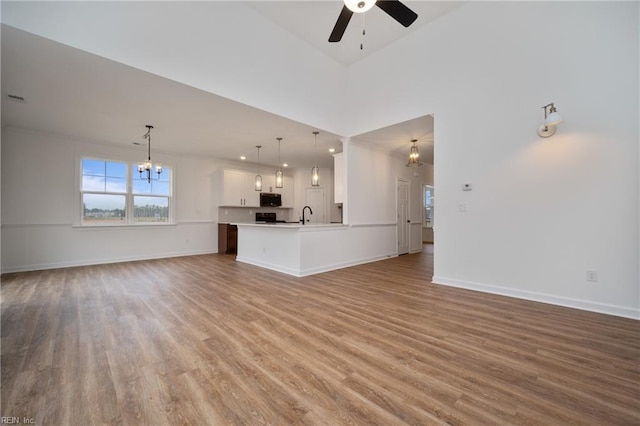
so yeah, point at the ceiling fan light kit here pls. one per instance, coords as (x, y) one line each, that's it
(359, 6)
(393, 8)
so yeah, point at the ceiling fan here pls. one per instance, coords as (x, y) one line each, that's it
(393, 8)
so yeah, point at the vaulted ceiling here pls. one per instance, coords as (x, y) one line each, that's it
(74, 93)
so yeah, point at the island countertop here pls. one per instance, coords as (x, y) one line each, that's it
(294, 225)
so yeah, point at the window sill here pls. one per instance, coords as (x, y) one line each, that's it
(125, 226)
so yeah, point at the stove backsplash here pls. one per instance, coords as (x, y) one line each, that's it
(248, 215)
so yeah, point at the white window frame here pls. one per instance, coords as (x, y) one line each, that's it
(426, 207)
(129, 219)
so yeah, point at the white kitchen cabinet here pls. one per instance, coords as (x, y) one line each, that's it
(237, 189)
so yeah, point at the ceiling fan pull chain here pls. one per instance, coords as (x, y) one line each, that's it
(363, 33)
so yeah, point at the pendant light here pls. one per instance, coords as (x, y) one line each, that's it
(258, 182)
(279, 172)
(147, 166)
(414, 155)
(315, 172)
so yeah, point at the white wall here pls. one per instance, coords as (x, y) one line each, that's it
(542, 211)
(222, 47)
(41, 210)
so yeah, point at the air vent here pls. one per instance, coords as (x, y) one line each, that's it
(15, 98)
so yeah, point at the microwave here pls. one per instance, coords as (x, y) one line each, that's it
(270, 199)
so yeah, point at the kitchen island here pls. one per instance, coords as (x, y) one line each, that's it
(302, 250)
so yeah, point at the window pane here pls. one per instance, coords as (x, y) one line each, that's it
(151, 209)
(116, 184)
(428, 205)
(93, 183)
(103, 208)
(140, 185)
(104, 176)
(160, 188)
(165, 176)
(159, 185)
(93, 167)
(117, 170)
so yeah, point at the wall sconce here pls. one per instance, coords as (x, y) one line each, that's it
(551, 119)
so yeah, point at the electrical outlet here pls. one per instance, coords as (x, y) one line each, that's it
(592, 276)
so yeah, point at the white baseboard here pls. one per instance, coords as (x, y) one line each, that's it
(316, 270)
(341, 265)
(71, 264)
(585, 305)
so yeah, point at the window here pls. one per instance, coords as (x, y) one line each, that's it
(151, 200)
(112, 193)
(428, 206)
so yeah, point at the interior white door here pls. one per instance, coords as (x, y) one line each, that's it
(315, 200)
(404, 228)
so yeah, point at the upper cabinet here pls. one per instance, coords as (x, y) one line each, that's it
(237, 189)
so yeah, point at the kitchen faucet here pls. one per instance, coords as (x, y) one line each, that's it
(303, 209)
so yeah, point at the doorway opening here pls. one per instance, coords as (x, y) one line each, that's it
(404, 220)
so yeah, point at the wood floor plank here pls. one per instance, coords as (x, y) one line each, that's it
(207, 340)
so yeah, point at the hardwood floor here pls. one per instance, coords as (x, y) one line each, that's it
(205, 340)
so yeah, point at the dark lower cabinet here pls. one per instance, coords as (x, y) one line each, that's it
(227, 238)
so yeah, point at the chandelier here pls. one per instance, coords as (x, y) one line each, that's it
(414, 155)
(147, 166)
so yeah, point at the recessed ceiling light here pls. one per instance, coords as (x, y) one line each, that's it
(242, 157)
(332, 150)
(285, 165)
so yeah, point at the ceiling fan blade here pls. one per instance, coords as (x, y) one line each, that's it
(341, 25)
(398, 11)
